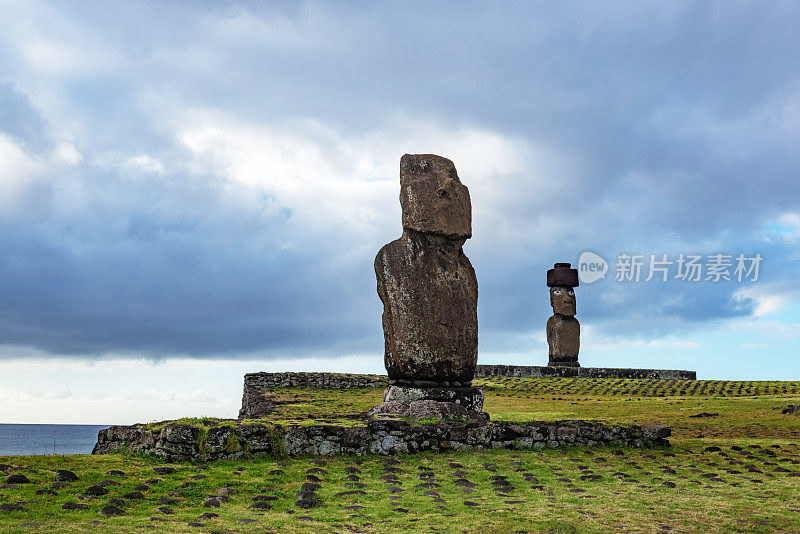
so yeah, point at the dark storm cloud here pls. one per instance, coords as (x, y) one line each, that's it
(158, 282)
(667, 128)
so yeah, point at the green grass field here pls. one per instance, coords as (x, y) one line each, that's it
(738, 470)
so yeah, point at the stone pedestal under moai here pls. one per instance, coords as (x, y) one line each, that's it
(563, 329)
(430, 297)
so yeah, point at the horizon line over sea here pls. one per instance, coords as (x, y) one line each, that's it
(29, 439)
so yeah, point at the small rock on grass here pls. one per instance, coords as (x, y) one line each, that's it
(96, 490)
(350, 493)
(316, 470)
(17, 479)
(165, 510)
(211, 503)
(208, 515)
(110, 510)
(164, 470)
(11, 508)
(65, 475)
(74, 506)
(306, 502)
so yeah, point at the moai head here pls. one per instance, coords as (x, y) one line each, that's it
(433, 199)
(561, 279)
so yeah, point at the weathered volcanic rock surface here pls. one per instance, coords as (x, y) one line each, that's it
(427, 284)
(432, 197)
(470, 398)
(428, 409)
(564, 340)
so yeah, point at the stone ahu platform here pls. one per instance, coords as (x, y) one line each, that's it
(533, 371)
(231, 439)
(183, 442)
(255, 405)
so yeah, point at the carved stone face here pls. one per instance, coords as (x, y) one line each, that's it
(433, 199)
(562, 299)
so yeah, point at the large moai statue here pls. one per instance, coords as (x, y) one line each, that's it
(429, 290)
(563, 329)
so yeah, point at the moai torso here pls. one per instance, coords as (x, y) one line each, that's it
(563, 339)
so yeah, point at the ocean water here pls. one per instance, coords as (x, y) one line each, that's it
(45, 439)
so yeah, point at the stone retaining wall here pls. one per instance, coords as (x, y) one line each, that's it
(533, 371)
(315, 380)
(181, 442)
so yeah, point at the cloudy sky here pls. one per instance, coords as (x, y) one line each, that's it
(193, 190)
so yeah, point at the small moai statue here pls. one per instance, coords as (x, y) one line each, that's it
(563, 329)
